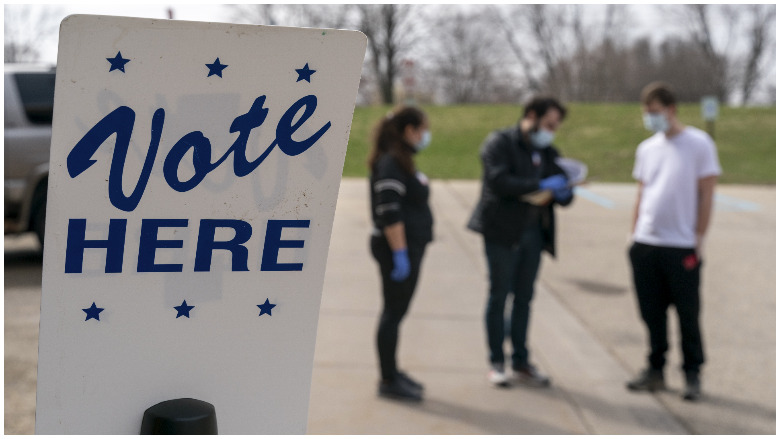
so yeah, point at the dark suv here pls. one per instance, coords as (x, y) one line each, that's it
(29, 104)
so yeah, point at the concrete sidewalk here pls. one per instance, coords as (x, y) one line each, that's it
(443, 344)
(585, 329)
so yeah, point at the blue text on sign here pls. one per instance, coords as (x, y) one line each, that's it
(121, 121)
(149, 243)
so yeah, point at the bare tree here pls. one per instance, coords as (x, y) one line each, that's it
(545, 40)
(531, 75)
(339, 16)
(577, 52)
(256, 13)
(698, 20)
(609, 80)
(735, 52)
(467, 65)
(302, 15)
(760, 30)
(388, 29)
(547, 26)
(27, 28)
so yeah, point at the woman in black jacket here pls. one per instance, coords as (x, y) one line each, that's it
(403, 226)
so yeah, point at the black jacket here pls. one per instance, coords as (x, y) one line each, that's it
(513, 168)
(399, 196)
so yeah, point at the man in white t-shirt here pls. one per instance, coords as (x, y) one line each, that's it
(677, 169)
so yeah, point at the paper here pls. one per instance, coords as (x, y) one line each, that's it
(575, 171)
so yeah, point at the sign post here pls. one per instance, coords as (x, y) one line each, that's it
(194, 174)
(709, 112)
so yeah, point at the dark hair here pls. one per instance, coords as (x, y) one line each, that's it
(389, 137)
(540, 105)
(658, 91)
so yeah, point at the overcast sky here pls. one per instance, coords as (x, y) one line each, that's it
(219, 12)
(201, 12)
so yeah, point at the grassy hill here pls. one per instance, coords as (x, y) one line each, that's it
(604, 136)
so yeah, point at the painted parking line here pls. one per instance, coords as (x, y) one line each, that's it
(733, 204)
(593, 197)
(723, 203)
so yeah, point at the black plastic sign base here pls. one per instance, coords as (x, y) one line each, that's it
(180, 416)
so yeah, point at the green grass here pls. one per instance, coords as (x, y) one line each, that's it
(604, 136)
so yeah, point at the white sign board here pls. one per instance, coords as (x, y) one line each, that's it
(195, 169)
(709, 108)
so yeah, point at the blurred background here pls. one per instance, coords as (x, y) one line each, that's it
(472, 67)
(455, 54)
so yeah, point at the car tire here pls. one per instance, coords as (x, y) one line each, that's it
(38, 216)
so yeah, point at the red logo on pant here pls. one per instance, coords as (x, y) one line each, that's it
(690, 261)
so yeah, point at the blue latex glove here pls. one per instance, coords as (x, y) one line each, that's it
(563, 194)
(401, 267)
(554, 183)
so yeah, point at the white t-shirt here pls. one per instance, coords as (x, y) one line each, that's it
(669, 170)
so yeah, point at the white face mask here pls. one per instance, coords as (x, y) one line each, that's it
(425, 140)
(655, 122)
(542, 138)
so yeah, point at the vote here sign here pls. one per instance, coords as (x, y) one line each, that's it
(194, 174)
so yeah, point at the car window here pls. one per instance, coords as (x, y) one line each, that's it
(37, 93)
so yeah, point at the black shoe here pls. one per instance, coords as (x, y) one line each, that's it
(413, 383)
(399, 389)
(530, 376)
(692, 387)
(648, 380)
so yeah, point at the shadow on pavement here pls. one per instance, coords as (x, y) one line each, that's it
(23, 268)
(639, 417)
(598, 287)
(495, 422)
(745, 407)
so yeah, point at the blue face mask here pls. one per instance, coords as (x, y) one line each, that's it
(542, 138)
(655, 122)
(424, 141)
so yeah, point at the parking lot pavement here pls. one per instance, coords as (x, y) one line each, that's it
(442, 342)
(591, 278)
(22, 306)
(585, 331)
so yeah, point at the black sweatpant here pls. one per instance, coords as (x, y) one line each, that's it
(397, 297)
(665, 276)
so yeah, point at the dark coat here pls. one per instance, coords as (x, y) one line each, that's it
(397, 196)
(509, 172)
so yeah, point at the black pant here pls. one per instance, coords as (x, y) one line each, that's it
(665, 276)
(397, 297)
(512, 269)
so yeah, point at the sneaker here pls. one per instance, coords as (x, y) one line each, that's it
(530, 376)
(497, 377)
(692, 387)
(648, 380)
(399, 389)
(413, 383)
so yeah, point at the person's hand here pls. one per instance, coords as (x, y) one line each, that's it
(563, 194)
(699, 245)
(401, 267)
(554, 183)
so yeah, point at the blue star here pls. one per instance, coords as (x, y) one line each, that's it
(305, 73)
(266, 308)
(216, 68)
(93, 312)
(183, 309)
(118, 63)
